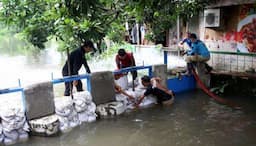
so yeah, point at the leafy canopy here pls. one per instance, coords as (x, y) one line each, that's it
(72, 21)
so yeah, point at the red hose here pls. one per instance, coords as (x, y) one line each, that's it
(215, 97)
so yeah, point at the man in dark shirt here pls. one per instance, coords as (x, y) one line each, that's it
(76, 60)
(154, 87)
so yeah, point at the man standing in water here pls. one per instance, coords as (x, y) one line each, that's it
(154, 87)
(76, 60)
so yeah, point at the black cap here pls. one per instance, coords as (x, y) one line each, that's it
(193, 36)
(145, 79)
(121, 52)
(88, 43)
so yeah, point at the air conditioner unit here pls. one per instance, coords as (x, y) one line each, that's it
(212, 17)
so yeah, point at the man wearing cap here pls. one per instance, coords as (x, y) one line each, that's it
(76, 60)
(124, 59)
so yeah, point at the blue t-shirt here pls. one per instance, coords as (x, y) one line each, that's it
(199, 48)
(187, 41)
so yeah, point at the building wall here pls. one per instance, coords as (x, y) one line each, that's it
(236, 33)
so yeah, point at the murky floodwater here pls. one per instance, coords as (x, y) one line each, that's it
(194, 120)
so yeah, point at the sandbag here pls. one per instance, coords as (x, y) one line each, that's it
(83, 94)
(110, 109)
(46, 126)
(122, 82)
(10, 137)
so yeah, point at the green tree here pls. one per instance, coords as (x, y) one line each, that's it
(72, 21)
(160, 15)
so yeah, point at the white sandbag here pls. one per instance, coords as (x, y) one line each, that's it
(8, 141)
(80, 104)
(74, 120)
(45, 126)
(91, 118)
(1, 138)
(23, 135)
(83, 94)
(121, 98)
(64, 106)
(1, 133)
(12, 119)
(14, 124)
(87, 117)
(13, 135)
(148, 100)
(8, 114)
(64, 124)
(91, 107)
(122, 82)
(83, 117)
(111, 108)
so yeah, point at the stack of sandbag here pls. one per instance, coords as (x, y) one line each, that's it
(1, 133)
(84, 106)
(14, 125)
(110, 109)
(66, 113)
(45, 126)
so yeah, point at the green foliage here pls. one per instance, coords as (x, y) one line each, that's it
(70, 21)
(160, 15)
(73, 21)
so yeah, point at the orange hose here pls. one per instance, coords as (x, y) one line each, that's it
(214, 96)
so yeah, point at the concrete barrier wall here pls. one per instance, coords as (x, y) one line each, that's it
(102, 87)
(160, 70)
(39, 100)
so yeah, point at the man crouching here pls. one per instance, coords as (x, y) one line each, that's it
(154, 87)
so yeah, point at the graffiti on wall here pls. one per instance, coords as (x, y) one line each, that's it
(246, 29)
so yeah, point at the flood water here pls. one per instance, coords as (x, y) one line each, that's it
(193, 120)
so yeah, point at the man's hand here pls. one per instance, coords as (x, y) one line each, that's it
(75, 83)
(183, 52)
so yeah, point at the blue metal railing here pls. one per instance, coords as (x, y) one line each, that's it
(73, 78)
(134, 68)
(13, 90)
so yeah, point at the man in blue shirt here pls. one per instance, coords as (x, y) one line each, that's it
(198, 53)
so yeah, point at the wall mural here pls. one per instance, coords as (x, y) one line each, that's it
(239, 39)
(246, 29)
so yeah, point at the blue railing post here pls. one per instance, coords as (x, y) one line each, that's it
(88, 82)
(165, 57)
(150, 74)
(22, 96)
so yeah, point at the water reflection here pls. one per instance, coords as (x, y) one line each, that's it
(194, 119)
(188, 122)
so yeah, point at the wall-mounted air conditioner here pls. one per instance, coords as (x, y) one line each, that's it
(212, 17)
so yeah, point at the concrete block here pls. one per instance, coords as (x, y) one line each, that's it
(102, 87)
(39, 100)
(160, 70)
